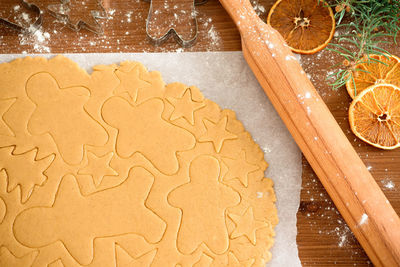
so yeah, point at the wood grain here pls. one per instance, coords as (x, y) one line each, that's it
(353, 189)
(323, 237)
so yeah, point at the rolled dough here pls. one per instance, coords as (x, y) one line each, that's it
(117, 168)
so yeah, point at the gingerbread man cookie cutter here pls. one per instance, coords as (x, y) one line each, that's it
(158, 39)
(62, 12)
(36, 24)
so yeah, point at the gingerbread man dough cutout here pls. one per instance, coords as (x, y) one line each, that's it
(141, 129)
(74, 217)
(203, 202)
(61, 113)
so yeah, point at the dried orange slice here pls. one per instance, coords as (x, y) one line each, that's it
(306, 25)
(374, 116)
(374, 72)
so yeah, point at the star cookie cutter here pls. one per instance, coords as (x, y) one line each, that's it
(63, 13)
(159, 38)
(35, 25)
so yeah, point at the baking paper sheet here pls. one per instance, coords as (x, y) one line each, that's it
(225, 78)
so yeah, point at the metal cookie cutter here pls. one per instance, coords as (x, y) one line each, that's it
(65, 12)
(160, 37)
(36, 24)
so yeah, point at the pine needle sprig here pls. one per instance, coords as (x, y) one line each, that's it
(372, 23)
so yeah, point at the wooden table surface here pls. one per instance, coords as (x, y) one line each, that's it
(323, 238)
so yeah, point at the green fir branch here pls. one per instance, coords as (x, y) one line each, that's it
(372, 22)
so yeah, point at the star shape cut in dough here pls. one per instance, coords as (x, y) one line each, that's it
(5, 105)
(184, 107)
(123, 258)
(204, 260)
(246, 225)
(260, 195)
(234, 262)
(217, 133)
(239, 168)
(131, 82)
(98, 167)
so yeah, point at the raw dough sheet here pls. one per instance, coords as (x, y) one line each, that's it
(225, 78)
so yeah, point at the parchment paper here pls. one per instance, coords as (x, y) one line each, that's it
(225, 78)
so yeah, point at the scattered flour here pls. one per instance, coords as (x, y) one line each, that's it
(260, 9)
(25, 16)
(214, 37)
(342, 240)
(36, 38)
(129, 16)
(388, 184)
(363, 220)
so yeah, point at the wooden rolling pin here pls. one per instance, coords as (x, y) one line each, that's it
(344, 176)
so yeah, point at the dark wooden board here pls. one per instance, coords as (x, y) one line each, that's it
(323, 237)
